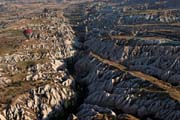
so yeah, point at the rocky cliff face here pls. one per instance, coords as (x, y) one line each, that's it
(112, 90)
(159, 61)
(96, 63)
(40, 86)
(124, 75)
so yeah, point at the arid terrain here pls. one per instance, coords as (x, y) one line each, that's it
(89, 60)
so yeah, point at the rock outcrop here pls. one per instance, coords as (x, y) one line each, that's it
(93, 61)
(40, 86)
(119, 91)
(125, 73)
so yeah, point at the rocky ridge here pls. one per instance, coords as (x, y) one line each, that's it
(137, 70)
(120, 72)
(45, 90)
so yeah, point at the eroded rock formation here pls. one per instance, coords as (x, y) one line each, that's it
(44, 86)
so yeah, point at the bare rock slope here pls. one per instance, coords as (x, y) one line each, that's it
(36, 83)
(126, 69)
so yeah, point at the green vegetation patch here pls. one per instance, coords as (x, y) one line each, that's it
(11, 32)
(171, 43)
(23, 65)
(18, 77)
(7, 49)
(10, 39)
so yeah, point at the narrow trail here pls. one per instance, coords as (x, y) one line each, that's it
(171, 90)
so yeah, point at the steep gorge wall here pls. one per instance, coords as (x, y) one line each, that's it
(125, 78)
(114, 92)
(160, 61)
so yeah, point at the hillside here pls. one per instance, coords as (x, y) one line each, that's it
(89, 60)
